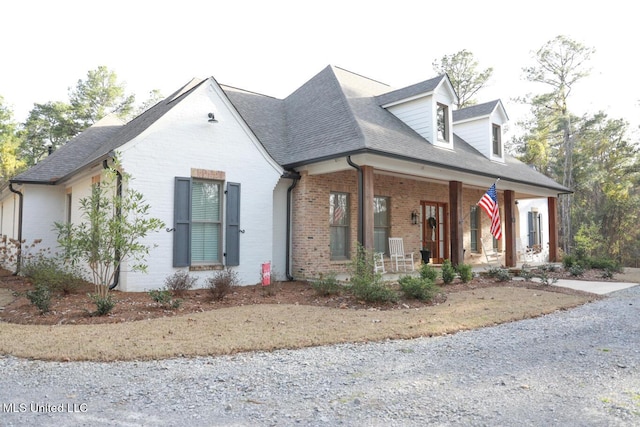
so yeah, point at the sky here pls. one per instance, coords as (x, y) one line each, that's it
(273, 47)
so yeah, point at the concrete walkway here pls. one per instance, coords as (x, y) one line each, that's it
(600, 288)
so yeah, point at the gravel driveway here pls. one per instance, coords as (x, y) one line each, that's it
(573, 368)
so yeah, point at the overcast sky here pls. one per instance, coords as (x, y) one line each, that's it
(273, 47)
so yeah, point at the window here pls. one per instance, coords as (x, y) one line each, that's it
(474, 221)
(443, 122)
(198, 224)
(497, 141)
(339, 225)
(380, 223)
(206, 222)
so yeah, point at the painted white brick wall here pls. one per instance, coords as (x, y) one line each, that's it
(184, 139)
(43, 205)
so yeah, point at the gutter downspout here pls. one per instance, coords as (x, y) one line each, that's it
(296, 177)
(116, 277)
(20, 204)
(360, 201)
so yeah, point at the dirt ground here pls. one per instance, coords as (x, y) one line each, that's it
(77, 308)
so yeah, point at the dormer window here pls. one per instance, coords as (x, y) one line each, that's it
(497, 141)
(442, 116)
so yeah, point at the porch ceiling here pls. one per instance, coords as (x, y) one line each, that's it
(429, 173)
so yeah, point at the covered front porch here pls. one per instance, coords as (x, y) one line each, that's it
(430, 208)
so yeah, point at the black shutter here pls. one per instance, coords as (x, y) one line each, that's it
(232, 228)
(531, 225)
(182, 223)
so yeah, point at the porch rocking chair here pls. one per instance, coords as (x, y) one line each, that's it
(491, 253)
(397, 254)
(526, 253)
(378, 262)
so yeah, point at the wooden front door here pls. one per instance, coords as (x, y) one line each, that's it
(434, 230)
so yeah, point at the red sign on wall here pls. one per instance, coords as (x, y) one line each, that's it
(266, 274)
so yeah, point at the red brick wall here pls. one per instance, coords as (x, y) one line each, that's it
(310, 217)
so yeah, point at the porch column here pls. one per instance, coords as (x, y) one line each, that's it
(456, 216)
(511, 256)
(367, 209)
(552, 206)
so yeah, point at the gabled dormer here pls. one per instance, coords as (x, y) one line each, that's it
(482, 126)
(425, 107)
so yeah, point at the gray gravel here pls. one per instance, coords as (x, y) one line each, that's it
(574, 368)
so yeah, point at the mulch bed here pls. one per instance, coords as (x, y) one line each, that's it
(77, 308)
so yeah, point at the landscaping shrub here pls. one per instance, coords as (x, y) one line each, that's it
(40, 297)
(466, 273)
(165, 298)
(53, 273)
(221, 283)
(605, 264)
(500, 274)
(180, 282)
(104, 304)
(326, 286)
(576, 270)
(568, 261)
(448, 272)
(373, 292)
(418, 288)
(427, 271)
(366, 284)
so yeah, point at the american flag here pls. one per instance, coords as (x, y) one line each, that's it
(489, 202)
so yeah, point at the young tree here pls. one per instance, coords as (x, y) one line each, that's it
(467, 80)
(115, 219)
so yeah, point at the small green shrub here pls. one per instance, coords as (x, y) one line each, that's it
(576, 270)
(180, 282)
(53, 273)
(221, 283)
(104, 304)
(429, 272)
(605, 264)
(545, 279)
(165, 298)
(418, 288)
(501, 275)
(548, 267)
(375, 291)
(525, 272)
(326, 286)
(466, 273)
(568, 261)
(448, 272)
(40, 297)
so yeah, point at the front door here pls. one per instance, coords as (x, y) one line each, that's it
(434, 230)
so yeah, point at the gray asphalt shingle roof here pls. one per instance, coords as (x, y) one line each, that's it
(336, 113)
(479, 110)
(98, 141)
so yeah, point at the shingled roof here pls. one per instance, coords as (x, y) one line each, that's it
(335, 114)
(99, 141)
(476, 111)
(339, 113)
